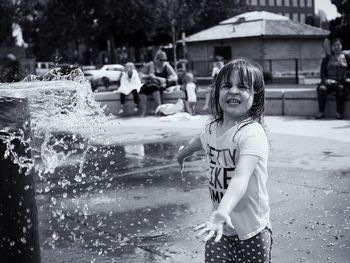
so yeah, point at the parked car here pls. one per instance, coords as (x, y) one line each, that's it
(107, 74)
(43, 67)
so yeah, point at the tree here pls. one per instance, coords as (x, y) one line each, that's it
(191, 16)
(318, 20)
(6, 20)
(64, 27)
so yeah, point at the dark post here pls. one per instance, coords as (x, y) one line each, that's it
(19, 237)
(296, 71)
(270, 65)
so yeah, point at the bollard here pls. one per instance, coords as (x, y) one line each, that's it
(19, 237)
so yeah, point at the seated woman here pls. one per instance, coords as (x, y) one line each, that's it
(333, 72)
(158, 76)
(129, 83)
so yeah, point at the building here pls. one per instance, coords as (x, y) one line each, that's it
(297, 10)
(279, 44)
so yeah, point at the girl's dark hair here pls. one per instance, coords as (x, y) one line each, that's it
(250, 74)
(336, 39)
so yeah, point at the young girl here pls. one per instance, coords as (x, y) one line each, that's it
(129, 83)
(236, 146)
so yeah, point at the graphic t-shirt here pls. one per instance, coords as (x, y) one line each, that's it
(252, 213)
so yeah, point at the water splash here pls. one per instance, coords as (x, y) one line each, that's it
(64, 119)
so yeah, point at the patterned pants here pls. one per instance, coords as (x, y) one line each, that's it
(256, 249)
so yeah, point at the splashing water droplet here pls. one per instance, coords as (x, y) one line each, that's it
(55, 236)
(65, 182)
(77, 178)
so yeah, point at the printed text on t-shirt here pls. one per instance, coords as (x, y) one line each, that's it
(221, 167)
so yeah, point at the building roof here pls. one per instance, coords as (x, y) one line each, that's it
(256, 24)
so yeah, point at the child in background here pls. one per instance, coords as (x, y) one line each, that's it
(191, 95)
(236, 146)
(129, 83)
(218, 64)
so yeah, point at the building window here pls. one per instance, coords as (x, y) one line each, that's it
(295, 2)
(254, 2)
(271, 2)
(302, 18)
(279, 2)
(286, 2)
(295, 17)
(309, 3)
(262, 2)
(302, 3)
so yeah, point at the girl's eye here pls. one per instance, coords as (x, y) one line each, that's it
(242, 87)
(226, 86)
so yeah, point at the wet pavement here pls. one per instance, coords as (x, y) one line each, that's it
(132, 205)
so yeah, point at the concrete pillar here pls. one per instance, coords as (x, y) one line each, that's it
(19, 237)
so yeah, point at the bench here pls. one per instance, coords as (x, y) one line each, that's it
(290, 100)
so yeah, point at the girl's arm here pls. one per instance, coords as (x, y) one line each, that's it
(238, 183)
(192, 146)
(234, 193)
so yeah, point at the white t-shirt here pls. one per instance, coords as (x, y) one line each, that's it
(127, 84)
(252, 213)
(191, 92)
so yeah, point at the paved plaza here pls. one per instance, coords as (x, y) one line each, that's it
(134, 206)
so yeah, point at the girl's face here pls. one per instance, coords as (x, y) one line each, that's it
(337, 47)
(235, 99)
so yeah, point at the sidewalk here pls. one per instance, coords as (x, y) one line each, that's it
(146, 213)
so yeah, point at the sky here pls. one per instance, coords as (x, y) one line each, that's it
(327, 7)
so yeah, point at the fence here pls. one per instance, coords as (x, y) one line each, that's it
(275, 70)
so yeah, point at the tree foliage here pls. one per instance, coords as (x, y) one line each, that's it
(64, 26)
(7, 18)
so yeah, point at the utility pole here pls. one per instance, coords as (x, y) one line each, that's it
(173, 30)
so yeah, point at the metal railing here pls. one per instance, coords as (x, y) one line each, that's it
(275, 70)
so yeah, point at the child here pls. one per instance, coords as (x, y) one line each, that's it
(191, 96)
(236, 152)
(129, 83)
(218, 64)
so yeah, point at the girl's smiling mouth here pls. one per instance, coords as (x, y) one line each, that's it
(233, 101)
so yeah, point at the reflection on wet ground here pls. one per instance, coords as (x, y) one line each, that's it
(131, 204)
(127, 199)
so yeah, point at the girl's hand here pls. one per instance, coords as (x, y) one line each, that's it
(214, 226)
